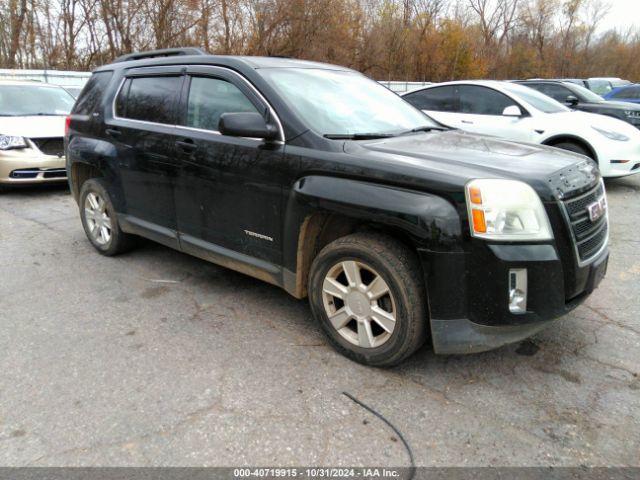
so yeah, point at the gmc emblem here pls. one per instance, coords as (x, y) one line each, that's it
(597, 209)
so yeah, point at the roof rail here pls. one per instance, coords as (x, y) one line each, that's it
(165, 52)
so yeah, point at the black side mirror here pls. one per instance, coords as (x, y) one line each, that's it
(246, 124)
(571, 100)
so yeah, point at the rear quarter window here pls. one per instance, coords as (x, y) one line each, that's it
(92, 94)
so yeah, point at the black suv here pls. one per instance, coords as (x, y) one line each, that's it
(319, 180)
(580, 98)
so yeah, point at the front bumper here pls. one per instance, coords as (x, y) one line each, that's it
(619, 159)
(469, 299)
(25, 166)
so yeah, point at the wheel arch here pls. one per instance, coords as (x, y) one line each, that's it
(80, 172)
(88, 158)
(323, 209)
(561, 138)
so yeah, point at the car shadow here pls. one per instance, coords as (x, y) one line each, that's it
(211, 280)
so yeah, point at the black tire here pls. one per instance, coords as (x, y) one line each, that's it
(575, 148)
(399, 268)
(119, 241)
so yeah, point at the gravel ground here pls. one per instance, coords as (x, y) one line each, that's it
(157, 358)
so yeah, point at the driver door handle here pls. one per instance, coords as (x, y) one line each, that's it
(468, 122)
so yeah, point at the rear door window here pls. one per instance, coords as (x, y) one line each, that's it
(439, 99)
(92, 94)
(478, 100)
(209, 98)
(149, 99)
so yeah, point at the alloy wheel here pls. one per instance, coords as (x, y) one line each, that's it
(97, 218)
(359, 304)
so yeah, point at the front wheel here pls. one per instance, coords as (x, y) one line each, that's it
(367, 292)
(575, 148)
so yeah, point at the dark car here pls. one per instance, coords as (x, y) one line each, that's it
(316, 179)
(576, 81)
(583, 99)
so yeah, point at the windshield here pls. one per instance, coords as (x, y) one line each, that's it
(536, 99)
(23, 100)
(334, 102)
(588, 95)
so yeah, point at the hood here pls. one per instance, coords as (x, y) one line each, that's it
(455, 154)
(603, 122)
(33, 126)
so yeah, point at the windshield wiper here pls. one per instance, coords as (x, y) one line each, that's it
(357, 136)
(424, 128)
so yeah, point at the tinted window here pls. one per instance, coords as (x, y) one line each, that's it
(151, 99)
(209, 98)
(440, 99)
(121, 99)
(483, 101)
(92, 93)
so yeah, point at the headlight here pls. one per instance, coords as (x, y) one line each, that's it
(611, 135)
(8, 142)
(632, 113)
(506, 210)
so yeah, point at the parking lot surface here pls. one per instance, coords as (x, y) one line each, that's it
(158, 358)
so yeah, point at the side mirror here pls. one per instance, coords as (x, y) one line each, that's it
(512, 111)
(571, 100)
(246, 124)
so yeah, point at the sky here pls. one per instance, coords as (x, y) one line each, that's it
(623, 14)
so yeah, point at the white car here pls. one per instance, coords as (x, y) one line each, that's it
(32, 122)
(516, 112)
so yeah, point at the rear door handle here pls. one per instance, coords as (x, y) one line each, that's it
(113, 132)
(187, 145)
(468, 122)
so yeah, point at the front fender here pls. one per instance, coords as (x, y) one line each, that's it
(430, 221)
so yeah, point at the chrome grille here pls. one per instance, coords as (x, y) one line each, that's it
(589, 237)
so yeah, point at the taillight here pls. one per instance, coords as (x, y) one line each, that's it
(67, 123)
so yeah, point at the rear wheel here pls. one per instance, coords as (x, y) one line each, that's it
(367, 292)
(99, 219)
